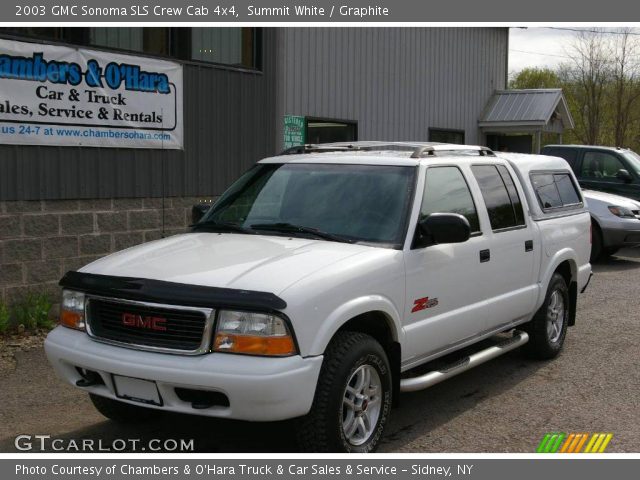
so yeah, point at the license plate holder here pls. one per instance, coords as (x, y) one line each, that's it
(137, 390)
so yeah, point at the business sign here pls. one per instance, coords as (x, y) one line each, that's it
(294, 131)
(54, 95)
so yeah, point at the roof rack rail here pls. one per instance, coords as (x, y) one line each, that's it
(313, 148)
(431, 150)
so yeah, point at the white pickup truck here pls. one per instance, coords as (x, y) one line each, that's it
(322, 278)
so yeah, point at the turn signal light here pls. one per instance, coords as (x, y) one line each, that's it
(72, 309)
(254, 345)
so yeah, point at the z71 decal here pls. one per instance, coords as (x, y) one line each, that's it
(423, 304)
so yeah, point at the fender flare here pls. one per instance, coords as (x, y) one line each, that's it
(351, 309)
(563, 255)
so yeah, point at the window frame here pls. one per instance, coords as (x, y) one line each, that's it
(522, 205)
(477, 233)
(563, 208)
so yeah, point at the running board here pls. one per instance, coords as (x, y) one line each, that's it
(413, 384)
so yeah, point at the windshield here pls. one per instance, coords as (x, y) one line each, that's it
(634, 159)
(357, 203)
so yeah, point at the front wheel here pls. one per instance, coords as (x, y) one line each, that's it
(352, 400)
(548, 328)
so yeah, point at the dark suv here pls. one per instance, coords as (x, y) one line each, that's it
(608, 169)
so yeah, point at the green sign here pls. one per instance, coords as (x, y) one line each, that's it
(294, 131)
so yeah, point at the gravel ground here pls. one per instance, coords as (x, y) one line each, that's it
(506, 405)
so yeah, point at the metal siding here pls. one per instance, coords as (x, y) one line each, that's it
(520, 106)
(396, 82)
(228, 125)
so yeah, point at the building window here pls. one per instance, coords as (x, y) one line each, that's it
(326, 130)
(443, 135)
(238, 47)
(230, 46)
(154, 41)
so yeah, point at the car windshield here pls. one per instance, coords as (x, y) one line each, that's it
(353, 203)
(634, 159)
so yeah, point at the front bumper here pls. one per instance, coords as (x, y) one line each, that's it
(621, 234)
(258, 388)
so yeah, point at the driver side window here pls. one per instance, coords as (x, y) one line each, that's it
(446, 191)
(601, 165)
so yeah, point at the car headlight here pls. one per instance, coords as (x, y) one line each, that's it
(72, 309)
(621, 212)
(253, 334)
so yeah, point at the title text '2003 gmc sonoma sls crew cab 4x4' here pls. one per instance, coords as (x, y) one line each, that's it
(321, 278)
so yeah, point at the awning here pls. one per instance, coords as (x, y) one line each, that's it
(535, 110)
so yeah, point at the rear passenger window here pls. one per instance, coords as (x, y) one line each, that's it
(500, 196)
(446, 191)
(555, 190)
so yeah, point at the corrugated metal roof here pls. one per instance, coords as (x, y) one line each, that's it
(529, 107)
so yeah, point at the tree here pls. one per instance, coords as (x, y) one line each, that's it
(585, 78)
(625, 85)
(535, 78)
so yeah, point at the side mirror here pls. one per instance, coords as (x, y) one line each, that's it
(442, 228)
(624, 175)
(198, 211)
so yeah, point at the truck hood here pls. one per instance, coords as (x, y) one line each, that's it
(610, 199)
(227, 260)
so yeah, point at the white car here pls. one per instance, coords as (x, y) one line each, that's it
(321, 278)
(616, 223)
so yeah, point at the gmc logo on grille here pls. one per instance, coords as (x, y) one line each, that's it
(139, 321)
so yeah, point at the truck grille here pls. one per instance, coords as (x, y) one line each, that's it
(148, 326)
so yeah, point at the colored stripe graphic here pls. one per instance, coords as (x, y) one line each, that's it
(557, 442)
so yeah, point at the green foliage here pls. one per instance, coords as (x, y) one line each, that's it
(535, 78)
(33, 312)
(4, 318)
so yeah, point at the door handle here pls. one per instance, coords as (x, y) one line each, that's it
(528, 245)
(485, 255)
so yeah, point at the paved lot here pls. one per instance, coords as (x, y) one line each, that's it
(504, 406)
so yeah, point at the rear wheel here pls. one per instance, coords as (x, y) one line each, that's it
(122, 412)
(353, 397)
(548, 329)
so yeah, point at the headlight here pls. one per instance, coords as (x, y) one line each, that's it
(253, 334)
(72, 309)
(622, 212)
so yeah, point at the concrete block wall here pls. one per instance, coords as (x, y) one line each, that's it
(42, 240)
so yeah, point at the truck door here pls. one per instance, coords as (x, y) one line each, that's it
(511, 286)
(445, 303)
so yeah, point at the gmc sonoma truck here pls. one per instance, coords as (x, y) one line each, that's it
(320, 280)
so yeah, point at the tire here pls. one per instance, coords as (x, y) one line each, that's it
(596, 242)
(546, 334)
(345, 406)
(121, 412)
(609, 251)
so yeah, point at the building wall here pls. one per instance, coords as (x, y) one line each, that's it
(228, 125)
(396, 82)
(41, 240)
(62, 207)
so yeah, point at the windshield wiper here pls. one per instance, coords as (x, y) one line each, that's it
(221, 226)
(291, 228)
